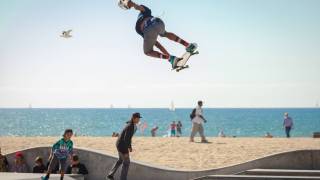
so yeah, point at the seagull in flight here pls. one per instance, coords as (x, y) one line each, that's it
(66, 34)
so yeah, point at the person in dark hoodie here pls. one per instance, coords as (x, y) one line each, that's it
(76, 167)
(124, 147)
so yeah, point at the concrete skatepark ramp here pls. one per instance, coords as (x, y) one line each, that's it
(29, 176)
(99, 163)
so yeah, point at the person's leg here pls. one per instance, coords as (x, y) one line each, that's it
(173, 37)
(150, 39)
(190, 47)
(125, 166)
(193, 131)
(52, 165)
(287, 132)
(63, 163)
(116, 166)
(201, 132)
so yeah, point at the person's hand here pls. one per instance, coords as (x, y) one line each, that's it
(130, 4)
(205, 121)
(130, 149)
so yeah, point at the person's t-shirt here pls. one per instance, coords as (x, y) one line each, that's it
(39, 169)
(197, 118)
(77, 169)
(287, 122)
(143, 15)
(62, 148)
(173, 127)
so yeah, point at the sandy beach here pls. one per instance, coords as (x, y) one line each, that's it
(178, 153)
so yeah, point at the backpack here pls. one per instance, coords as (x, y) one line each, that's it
(193, 114)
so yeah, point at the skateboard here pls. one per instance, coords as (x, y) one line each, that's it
(182, 64)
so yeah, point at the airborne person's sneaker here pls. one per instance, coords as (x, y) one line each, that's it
(192, 47)
(174, 61)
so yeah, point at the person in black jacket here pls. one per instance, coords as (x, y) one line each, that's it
(124, 147)
(39, 167)
(76, 167)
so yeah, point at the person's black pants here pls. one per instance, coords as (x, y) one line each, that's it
(288, 129)
(124, 159)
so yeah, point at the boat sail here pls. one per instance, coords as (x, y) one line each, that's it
(172, 107)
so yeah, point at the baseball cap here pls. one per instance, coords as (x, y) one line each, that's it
(136, 115)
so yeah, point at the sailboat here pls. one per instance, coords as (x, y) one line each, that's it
(172, 108)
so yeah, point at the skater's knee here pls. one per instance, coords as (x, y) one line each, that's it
(148, 51)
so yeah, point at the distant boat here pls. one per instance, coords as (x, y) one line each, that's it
(129, 106)
(317, 104)
(172, 107)
(30, 106)
(111, 106)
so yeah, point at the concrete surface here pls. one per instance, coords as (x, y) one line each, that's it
(29, 176)
(248, 177)
(282, 172)
(99, 164)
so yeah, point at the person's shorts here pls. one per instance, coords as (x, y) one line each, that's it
(53, 162)
(151, 33)
(173, 132)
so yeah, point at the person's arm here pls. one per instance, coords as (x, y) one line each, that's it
(199, 114)
(135, 6)
(128, 135)
(162, 49)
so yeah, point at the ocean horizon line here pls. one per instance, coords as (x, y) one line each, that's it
(158, 108)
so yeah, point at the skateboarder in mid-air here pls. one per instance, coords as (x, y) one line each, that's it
(150, 28)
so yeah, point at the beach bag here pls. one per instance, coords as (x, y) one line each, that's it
(193, 114)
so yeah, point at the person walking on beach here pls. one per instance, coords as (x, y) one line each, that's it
(61, 150)
(124, 147)
(197, 123)
(179, 127)
(287, 124)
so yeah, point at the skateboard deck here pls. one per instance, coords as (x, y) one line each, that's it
(182, 64)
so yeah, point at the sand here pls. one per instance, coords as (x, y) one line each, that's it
(178, 153)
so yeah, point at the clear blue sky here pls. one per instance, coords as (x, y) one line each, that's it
(254, 53)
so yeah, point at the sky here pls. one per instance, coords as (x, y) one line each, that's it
(253, 53)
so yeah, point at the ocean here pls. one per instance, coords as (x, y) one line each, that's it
(240, 122)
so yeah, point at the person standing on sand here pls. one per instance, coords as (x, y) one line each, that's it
(287, 124)
(197, 123)
(154, 131)
(173, 127)
(179, 127)
(124, 147)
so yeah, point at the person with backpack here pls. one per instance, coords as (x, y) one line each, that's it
(197, 123)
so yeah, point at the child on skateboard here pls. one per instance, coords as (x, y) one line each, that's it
(150, 28)
(61, 150)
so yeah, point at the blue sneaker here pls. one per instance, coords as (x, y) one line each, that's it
(174, 61)
(192, 48)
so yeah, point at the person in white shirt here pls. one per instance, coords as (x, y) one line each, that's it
(197, 123)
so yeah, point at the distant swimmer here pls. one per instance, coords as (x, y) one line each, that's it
(66, 34)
